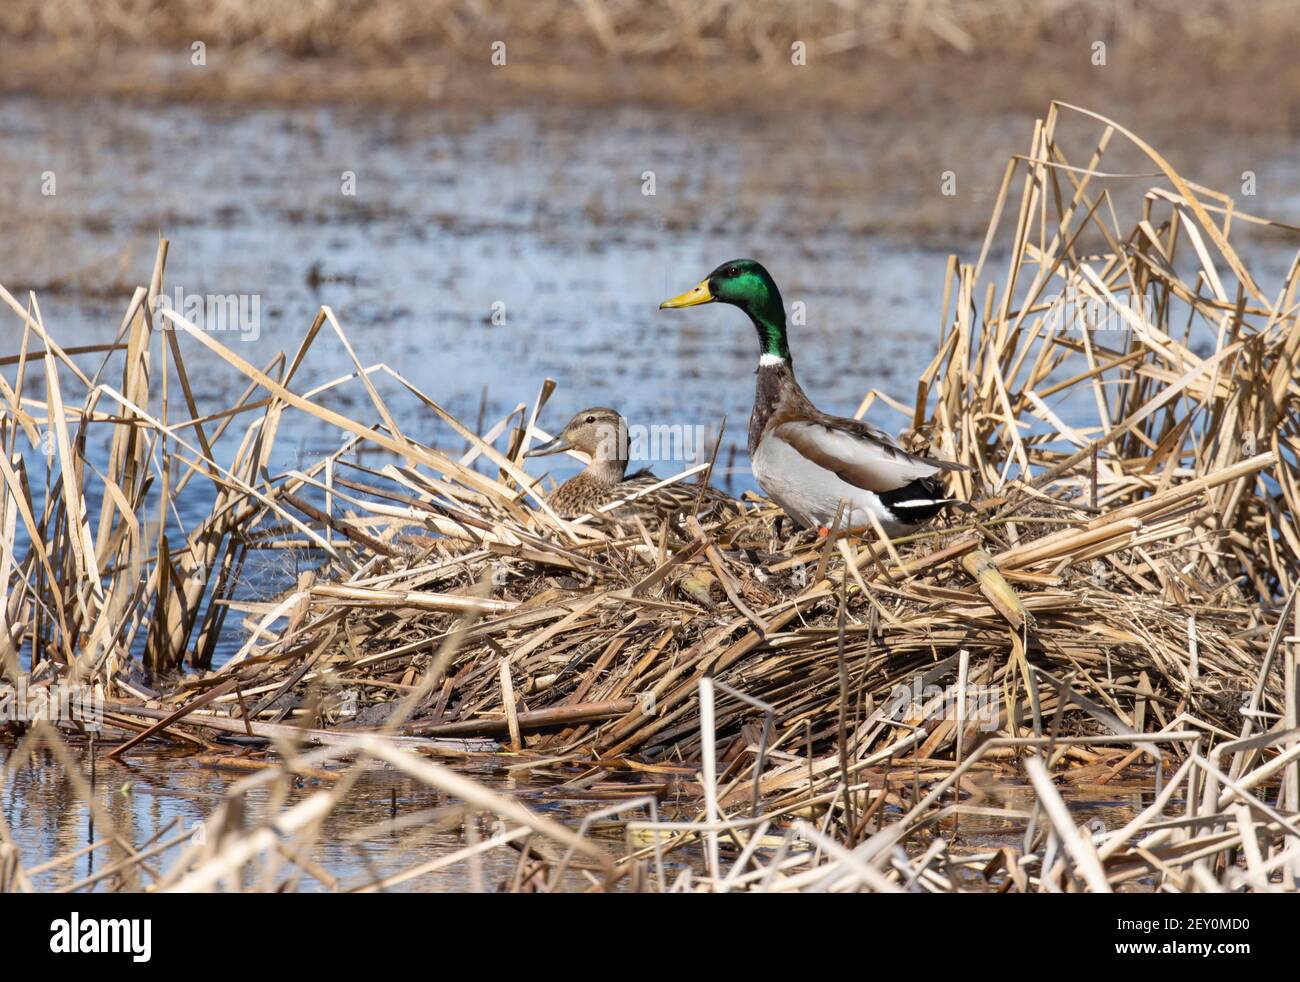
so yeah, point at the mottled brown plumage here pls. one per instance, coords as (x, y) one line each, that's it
(601, 434)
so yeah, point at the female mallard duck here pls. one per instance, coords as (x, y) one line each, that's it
(805, 460)
(601, 434)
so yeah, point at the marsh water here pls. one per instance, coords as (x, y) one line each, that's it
(477, 255)
(389, 823)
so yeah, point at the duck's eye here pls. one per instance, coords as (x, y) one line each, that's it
(734, 271)
(591, 419)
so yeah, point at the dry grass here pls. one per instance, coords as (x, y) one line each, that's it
(1125, 586)
(882, 57)
(764, 31)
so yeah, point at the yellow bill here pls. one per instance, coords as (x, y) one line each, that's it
(691, 298)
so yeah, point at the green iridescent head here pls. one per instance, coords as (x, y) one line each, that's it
(744, 283)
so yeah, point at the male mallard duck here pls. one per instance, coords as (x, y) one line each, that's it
(805, 460)
(601, 434)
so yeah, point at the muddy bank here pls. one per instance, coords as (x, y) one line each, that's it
(1160, 66)
(1163, 89)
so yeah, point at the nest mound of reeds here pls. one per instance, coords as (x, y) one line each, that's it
(1117, 595)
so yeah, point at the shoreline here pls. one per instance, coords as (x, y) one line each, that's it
(1167, 89)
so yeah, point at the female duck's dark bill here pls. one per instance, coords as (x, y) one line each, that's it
(549, 447)
(691, 298)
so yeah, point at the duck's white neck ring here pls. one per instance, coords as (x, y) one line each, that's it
(766, 359)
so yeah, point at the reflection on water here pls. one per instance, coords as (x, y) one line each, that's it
(389, 823)
(386, 824)
(1003, 819)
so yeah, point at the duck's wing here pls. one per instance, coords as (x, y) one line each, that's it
(858, 453)
(671, 499)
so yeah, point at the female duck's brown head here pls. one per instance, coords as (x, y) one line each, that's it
(598, 432)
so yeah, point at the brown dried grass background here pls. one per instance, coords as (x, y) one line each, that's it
(1210, 61)
(650, 28)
